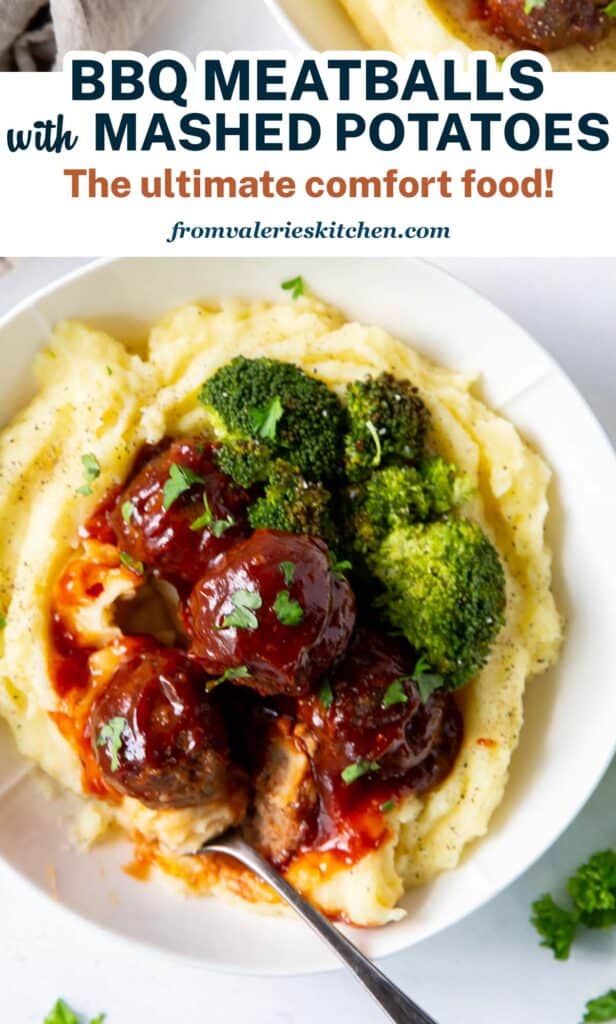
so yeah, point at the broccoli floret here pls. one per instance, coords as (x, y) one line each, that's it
(246, 462)
(556, 926)
(387, 422)
(292, 504)
(445, 589)
(593, 890)
(399, 496)
(444, 485)
(294, 416)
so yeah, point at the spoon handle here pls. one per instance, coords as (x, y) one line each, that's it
(393, 1001)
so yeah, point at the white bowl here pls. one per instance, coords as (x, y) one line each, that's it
(319, 25)
(569, 735)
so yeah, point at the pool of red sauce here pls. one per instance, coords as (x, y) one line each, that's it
(72, 682)
(350, 824)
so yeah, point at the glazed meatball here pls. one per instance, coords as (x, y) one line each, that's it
(368, 720)
(272, 610)
(177, 536)
(284, 813)
(158, 736)
(556, 24)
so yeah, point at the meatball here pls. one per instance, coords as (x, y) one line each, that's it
(556, 24)
(158, 736)
(369, 721)
(284, 815)
(272, 613)
(174, 532)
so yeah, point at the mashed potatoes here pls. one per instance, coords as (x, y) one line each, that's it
(95, 396)
(436, 26)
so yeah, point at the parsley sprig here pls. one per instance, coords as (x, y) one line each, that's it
(216, 526)
(339, 566)
(354, 771)
(132, 563)
(288, 572)
(180, 480)
(593, 893)
(395, 693)
(239, 672)
(127, 510)
(110, 737)
(296, 286)
(288, 611)
(427, 680)
(245, 603)
(601, 1009)
(265, 419)
(326, 695)
(91, 471)
(61, 1013)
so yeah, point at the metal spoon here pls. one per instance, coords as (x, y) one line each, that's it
(396, 1005)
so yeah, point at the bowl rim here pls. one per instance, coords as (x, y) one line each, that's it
(284, 970)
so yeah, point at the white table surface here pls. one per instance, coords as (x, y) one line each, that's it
(488, 968)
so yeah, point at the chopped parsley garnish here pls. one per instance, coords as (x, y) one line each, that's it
(109, 371)
(205, 519)
(288, 571)
(601, 1009)
(180, 480)
(388, 806)
(427, 680)
(2, 621)
(127, 510)
(374, 434)
(244, 602)
(132, 563)
(326, 695)
(110, 737)
(240, 672)
(91, 470)
(359, 768)
(337, 567)
(216, 526)
(531, 5)
(288, 611)
(265, 419)
(395, 693)
(296, 286)
(610, 10)
(62, 1014)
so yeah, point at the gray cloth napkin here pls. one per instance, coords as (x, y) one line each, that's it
(35, 34)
